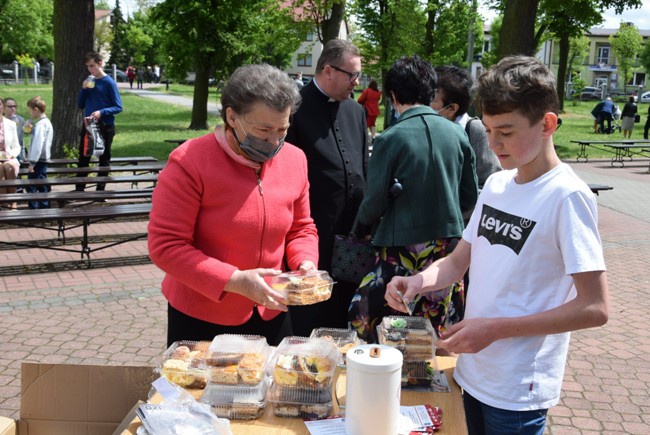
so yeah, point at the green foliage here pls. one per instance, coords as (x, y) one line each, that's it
(140, 37)
(118, 52)
(26, 28)
(626, 45)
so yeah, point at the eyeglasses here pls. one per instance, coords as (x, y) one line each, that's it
(352, 76)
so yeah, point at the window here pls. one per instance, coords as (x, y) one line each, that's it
(637, 79)
(603, 56)
(310, 36)
(304, 59)
(486, 46)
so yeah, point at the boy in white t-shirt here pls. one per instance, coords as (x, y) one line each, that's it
(537, 268)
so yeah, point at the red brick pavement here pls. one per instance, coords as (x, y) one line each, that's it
(117, 316)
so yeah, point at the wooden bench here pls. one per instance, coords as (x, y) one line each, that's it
(114, 161)
(66, 198)
(133, 179)
(87, 215)
(154, 167)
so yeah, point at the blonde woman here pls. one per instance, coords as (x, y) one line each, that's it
(9, 151)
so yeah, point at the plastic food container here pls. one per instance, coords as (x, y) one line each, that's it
(237, 359)
(305, 362)
(182, 364)
(238, 402)
(300, 289)
(418, 372)
(300, 402)
(414, 336)
(343, 339)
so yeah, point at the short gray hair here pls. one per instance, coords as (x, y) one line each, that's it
(334, 51)
(263, 83)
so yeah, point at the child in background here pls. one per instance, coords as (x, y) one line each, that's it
(537, 269)
(39, 148)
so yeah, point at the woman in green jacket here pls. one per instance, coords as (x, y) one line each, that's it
(433, 161)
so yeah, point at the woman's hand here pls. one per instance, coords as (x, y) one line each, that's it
(307, 266)
(251, 284)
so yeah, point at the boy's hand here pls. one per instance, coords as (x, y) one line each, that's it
(469, 336)
(409, 286)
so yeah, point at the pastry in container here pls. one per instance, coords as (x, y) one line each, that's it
(305, 362)
(237, 359)
(300, 402)
(239, 402)
(413, 336)
(303, 289)
(182, 364)
(343, 339)
(418, 373)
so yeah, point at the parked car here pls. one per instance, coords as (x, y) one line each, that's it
(591, 93)
(120, 76)
(645, 97)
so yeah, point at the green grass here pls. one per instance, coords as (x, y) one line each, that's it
(144, 124)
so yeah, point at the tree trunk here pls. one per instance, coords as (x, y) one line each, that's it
(429, 43)
(74, 26)
(517, 34)
(562, 67)
(331, 26)
(201, 90)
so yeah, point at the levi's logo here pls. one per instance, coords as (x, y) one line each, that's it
(501, 228)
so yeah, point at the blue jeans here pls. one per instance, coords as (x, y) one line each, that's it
(40, 172)
(483, 419)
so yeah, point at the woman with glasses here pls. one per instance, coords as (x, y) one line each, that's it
(230, 210)
(10, 113)
(9, 151)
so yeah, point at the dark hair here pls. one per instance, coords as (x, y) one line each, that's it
(264, 83)
(457, 86)
(518, 83)
(94, 56)
(334, 52)
(412, 80)
(373, 85)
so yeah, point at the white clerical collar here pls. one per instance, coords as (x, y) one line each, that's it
(331, 100)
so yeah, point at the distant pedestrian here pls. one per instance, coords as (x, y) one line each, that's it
(627, 117)
(369, 99)
(298, 80)
(130, 74)
(139, 75)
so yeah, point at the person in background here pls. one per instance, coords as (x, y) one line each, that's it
(453, 99)
(298, 80)
(627, 117)
(220, 235)
(433, 161)
(156, 74)
(331, 129)
(39, 148)
(647, 126)
(369, 99)
(100, 99)
(606, 114)
(10, 113)
(130, 73)
(9, 151)
(139, 75)
(537, 268)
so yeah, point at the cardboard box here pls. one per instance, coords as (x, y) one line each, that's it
(62, 399)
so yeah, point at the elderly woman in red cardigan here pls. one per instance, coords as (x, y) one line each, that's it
(231, 209)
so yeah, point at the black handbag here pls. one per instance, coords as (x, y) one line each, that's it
(637, 118)
(93, 141)
(353, 257)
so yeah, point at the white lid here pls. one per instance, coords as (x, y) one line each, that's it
(375, 358)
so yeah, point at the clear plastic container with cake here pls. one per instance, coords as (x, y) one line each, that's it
(239, 402)
(415, 338)
(303, 369)
(343, 339)
(237, 360)
(182, 364)
(303, 289)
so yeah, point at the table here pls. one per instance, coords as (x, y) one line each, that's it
(453, 411)
(620, 148)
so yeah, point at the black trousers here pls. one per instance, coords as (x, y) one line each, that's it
(332, 313)
(646, 128)
(180, 326)
(108, 133)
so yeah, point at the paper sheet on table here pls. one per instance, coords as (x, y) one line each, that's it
(411, 418)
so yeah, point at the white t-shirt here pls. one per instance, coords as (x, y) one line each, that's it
(527, 240)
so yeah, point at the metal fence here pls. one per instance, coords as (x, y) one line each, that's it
(14, 73)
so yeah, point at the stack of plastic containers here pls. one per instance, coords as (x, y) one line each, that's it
(235, 366)
(303, 369)
(415, 338)
(183, 364)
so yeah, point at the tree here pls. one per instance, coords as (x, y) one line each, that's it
(626, 45)
(118, 53)
(517, 34)
(26, 27)
(326, 15)
(71, 43)
(215, 37)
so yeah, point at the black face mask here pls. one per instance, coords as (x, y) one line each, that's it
(258, 150)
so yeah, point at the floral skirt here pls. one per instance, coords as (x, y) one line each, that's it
(442, 307)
